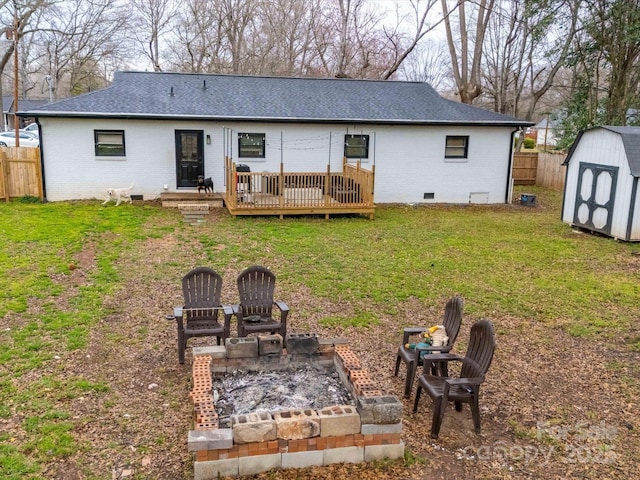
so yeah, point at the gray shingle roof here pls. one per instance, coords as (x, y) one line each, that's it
(630, 139)
(149, 95)
(23, 103)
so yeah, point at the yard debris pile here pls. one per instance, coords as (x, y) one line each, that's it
(294, 388)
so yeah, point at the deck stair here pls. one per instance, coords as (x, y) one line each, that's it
(194, 213)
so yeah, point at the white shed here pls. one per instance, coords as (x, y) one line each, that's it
(601, 187)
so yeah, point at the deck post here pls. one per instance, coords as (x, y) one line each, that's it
(281, 189)
(327, 188)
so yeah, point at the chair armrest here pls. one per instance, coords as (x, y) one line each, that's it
(470, 385)
(465, 381)
(284, 312)
(445, 357)
(228, 313)
(407, 332)
(443, 349)
(414, 330)
(439, 358)
(282, 306)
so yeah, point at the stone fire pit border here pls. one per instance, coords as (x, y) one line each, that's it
(370, 430)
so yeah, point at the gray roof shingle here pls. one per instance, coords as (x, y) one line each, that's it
(149, 95)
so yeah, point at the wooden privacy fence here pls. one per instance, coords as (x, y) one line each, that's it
(20, 173)
(298, 193)
(551, 173)
(539, 168)
(525, 166)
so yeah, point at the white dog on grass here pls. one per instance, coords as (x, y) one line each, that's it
(119, 194)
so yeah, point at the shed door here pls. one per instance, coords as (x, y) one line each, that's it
(594, 197)
(189, 157)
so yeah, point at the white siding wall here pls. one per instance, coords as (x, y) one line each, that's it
(601, 147)
(409, 160)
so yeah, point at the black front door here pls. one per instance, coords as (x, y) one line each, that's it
(189, 157)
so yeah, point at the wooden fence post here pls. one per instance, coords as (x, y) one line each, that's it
(4, 167)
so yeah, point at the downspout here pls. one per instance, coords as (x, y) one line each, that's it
(634, 196)
(44, 183)
(512, 152)
(564, 191)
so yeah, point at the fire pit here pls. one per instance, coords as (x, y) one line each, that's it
(307, 386)
(259, 406)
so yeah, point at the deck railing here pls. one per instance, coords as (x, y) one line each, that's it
(285, 193)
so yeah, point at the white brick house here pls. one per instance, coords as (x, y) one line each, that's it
(161, 130)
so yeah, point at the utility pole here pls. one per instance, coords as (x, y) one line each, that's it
(16, 123)
(12, 35)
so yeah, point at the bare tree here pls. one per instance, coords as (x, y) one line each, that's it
(365, 46)
(212, 36)
(153, 20)
(402, 44)
(283, 42)
(526, 45)
(77, 39)
(15, 19)
(466, 51)
(427, 64)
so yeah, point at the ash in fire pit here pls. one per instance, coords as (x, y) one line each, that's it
(309, 386)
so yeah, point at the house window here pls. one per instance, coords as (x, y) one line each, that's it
(251, 145)
(456, 147)
(109, 143)
(356, 146)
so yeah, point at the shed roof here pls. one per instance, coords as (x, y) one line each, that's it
(630, 139)
(158, 95)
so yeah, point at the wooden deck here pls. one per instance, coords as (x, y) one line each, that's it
(300, 193)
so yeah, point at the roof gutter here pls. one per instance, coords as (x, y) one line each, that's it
(44, 180)
(227, 118)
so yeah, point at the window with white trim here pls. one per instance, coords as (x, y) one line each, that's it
(251, 145)
(356, 146)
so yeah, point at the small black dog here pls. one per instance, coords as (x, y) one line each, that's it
(205, 183)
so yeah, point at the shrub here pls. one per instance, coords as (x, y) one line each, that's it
(529, 143)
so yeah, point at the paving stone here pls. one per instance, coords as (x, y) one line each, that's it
(214, 351)
(209, 439)
(297, 424)
(378, 452)
(313, 458)
(343, 455)
(243, 347)
(380, 410)
(214, 469)
(373, 428)
(253, 428)
(255, 464)
(270, 344)
(339, 420)
(306, 343)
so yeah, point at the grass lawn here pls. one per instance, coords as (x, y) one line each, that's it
(84, 289)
